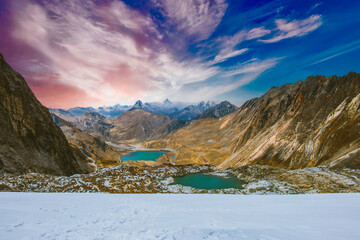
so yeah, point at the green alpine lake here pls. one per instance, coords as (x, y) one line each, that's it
(209, 181)
(143, 155)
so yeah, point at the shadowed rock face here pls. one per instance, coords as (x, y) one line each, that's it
(29, 139)
(305, 124)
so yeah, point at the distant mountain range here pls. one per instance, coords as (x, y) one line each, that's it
(178, 110)
(141, 122)
(165, 108)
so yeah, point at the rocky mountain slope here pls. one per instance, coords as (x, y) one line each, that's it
(219, 110)
(29, 139)
(136, 125)
(95, 124)
(140, 125)
(93, 147)
(72, 115)
(305, 124)
(89, 122)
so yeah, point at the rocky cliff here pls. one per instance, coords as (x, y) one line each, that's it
(29, 140)
(305, 124)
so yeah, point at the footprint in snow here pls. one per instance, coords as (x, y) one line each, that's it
(18, 225)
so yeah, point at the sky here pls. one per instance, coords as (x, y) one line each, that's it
(107, 52)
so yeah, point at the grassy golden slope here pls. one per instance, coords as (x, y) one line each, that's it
(305, 124)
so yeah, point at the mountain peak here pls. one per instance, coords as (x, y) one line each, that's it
(138, 104)
(167, 101)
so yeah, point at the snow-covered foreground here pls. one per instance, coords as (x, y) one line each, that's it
(167, 216)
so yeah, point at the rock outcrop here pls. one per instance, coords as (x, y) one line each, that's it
(29, 139)
(305, 124)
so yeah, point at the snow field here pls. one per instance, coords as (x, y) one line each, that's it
(177, 216)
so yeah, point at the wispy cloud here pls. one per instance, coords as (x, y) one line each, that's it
(228, 53)
(252, 66)
(227, 80)
(228, 43)
(315, 6)
(295, 28)
(336, 51)
(197, 18)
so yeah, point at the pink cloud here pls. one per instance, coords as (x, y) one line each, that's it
(52, 93)
(126, 82)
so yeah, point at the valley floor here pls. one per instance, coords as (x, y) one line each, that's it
(130, 179)
(169, 216)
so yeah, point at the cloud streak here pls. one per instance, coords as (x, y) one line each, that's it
(197, 18)
(228, 43)
(295, 28)
(228, 79)
(336, 51)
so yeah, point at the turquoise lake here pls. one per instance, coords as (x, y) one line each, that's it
(208, 181)
(143, 155)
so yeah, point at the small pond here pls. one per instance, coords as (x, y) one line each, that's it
(209, 181)
(143, 155)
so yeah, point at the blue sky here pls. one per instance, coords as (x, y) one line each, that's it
(95, 53)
